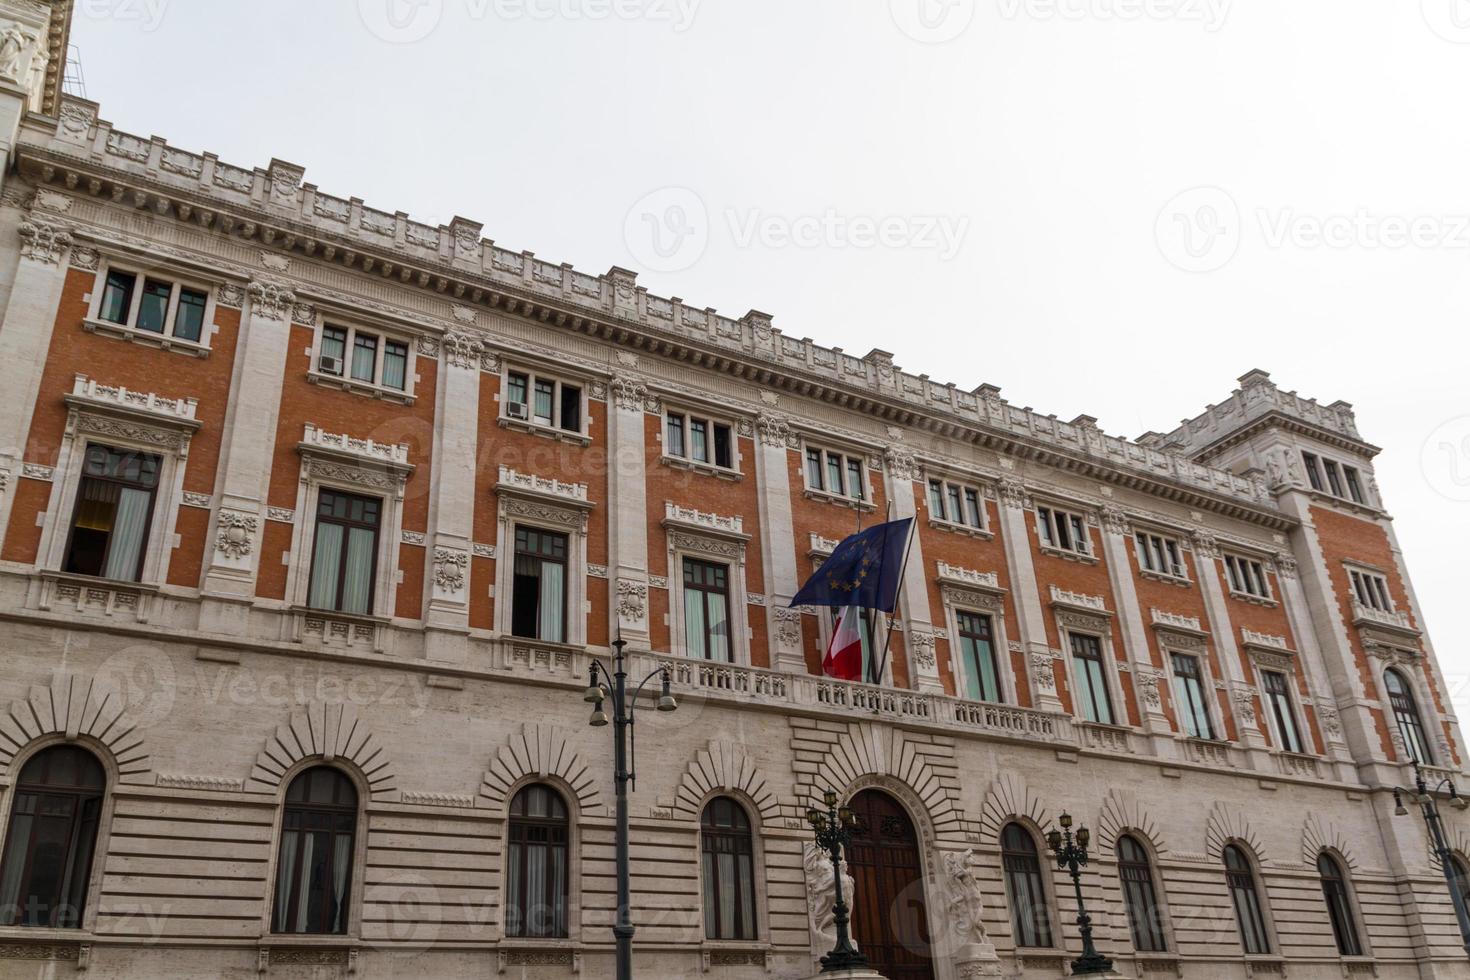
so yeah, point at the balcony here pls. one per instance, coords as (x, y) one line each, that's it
(1396, 621)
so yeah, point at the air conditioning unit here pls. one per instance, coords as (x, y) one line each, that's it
(517, 410)
(327, 364)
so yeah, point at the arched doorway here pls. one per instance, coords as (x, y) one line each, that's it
(889, 921)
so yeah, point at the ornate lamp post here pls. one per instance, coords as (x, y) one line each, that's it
(1429, 807)
(1071, 852)
(624, 765)
(833, 830)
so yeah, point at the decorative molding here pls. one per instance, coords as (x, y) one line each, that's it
(214, 784)
(281, 515)
(449, 568)
(632, 601)
(235, 534)
(37, 471)
(774, 430)
(463, 350)
(921, 647)
(42, 242)
(191, 499)
(900, 463)
(658, 582)
(272, 300)
(542, 486)
(1115, 520)
(723, 767)
(1079, 600)
(85, 258)
(415, 798)
(483, 550)
(72, 705)
(968, 577)
(329, 731)
(537, 752)
(698, 521)
(416, 538)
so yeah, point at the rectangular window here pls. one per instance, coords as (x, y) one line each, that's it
(955, 503)
(1093, 700)
(1371, 590)
(364, 356)
(1189, 696)
(1334, 478)
(724, 454)
(1064, 531)
(1354, 485)
(395, 364)
(347, 352)
(160, 306)
(1278, 701)
(1314, 470)
(706, 610)
(117, 296)
(699, 439)
(1247, 576)
(539, 591)
(674, 436)
(344, 555)
(334, 351)
(835, 473)
(114, 507)
(977, 648)
(1159, 554)
(544, 401)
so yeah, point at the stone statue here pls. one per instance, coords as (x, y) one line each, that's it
(15, 46)
(974, 954)
(821, 900)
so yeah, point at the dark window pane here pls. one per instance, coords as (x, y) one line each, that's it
(314, 865)
(46, 864)
(189, 320)
(364, 356)
(153, 309)
(395, 364)
(675, 435)
(117, 296)
(334, 346)
(571, 408)
(723, 456)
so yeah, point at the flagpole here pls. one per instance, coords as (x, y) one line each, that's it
(902, 569)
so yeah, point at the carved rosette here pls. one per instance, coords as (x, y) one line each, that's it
(43, 243)
(449, 569)
(235, 535)
(272, 300)
(463, 350)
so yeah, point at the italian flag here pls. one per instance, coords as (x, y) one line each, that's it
(844, 659)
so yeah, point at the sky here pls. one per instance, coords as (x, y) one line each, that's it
(1103, 207)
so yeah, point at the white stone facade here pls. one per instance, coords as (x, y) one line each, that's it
(209, 683)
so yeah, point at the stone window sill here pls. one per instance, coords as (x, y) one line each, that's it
(355, 386)
(832, 498)
(1178, 580)
(545, 431)
(1254, 600)
(1067, 555)
(146, 337)
(709, 469)
(953, 528)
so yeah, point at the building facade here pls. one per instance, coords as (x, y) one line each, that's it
(312, 517)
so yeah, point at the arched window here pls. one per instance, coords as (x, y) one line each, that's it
(536, 865)
(729, 871)
(53, 833)
(1248, 913)
(1138, 893)
(1406, 713)
(1339, 905)
(314, 870)
(1462, 878)
(1024, 887)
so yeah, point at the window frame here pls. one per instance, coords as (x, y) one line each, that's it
(848, 460)
(542, 559)
(959, 653)
(705, 591)
(1050, 520)
(1235, 879)
(530, 500)
(141, 272)
(685, 456)
(1181, 683)
(1336, 479)
(1044, 927)
(966, 491)
(1342, 913)
(567, 823)
(752, 855)
(558, 380)
(153, 499)
(1157, 935)
(1369, 589)
(347, 524)
(383, 336)
(1110, 694)
(1147, 554)
(1413, 712)
(1235, 568)
(1272, 702)
(356, 856)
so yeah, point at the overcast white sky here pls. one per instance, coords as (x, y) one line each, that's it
(1024, 161)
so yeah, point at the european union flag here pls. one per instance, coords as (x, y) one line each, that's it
(863, 571)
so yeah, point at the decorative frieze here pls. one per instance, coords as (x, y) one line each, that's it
(542, 486)
(968, 577)
(698, 520)
(415, 538)
(191, 499)
(1079, 600)
(235, 534)
(485, 551)
(281, 515)
(42, 242)
(216, 784)
(367, 450)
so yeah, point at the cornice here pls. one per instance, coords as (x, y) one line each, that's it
(274, 211)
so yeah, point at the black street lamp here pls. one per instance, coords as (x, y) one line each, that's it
(833, 830)
(1071, 855)
(623, 765)
(1429, 807)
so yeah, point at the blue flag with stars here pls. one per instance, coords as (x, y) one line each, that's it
(863, 570)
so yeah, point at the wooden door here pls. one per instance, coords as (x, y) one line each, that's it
(889, 923)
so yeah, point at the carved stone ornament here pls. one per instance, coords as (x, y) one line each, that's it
(1245, 703)
(43, 243)
(1148, 688)
(821, 897)
(629, 393)
(231, 296)
(1115, 520)
(272, 300)
(463, 350)
(1285, 565)
(773, 430)
(922, 647)
(235, 534)
(84, 258)
(1013, 493)
(965, 907)
(900, 463)
(1042, 673)
(632, 600)
(1205, 544)
(17, 49)
(449, 568)
(788, 627)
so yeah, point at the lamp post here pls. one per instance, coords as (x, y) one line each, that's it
(1429, 807)
(624, 766)
(1071, 852)
(833, 830)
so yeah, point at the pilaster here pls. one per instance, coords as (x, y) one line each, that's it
(899, 473)
(1117, 548)
(1015, 517)
(628, 510)
(1241, 694)
(774, 441)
